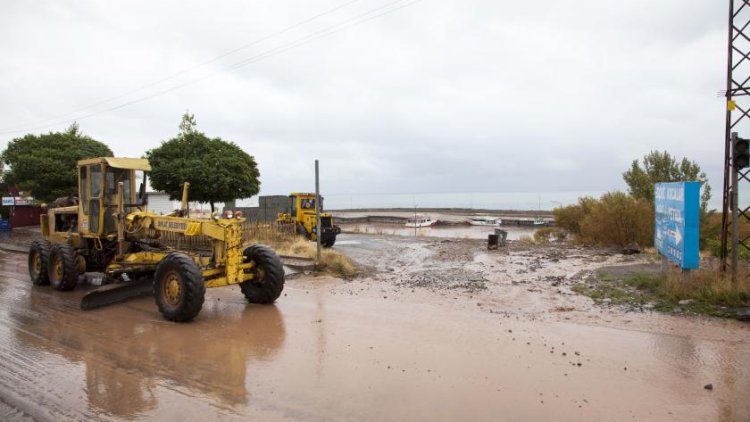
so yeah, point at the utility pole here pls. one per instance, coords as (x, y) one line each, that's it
(733, 203)
(317, 212)
(737, 120)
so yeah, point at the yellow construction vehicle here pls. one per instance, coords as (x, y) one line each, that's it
(302, 215)
(173, 256)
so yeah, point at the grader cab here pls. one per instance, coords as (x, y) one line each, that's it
(302, 215)
(108, 229)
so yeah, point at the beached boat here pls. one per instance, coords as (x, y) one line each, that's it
(484, 221)
(420, 220)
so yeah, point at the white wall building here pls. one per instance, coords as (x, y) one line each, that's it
(159, 203)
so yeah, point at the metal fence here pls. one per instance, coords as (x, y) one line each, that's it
(252, 232)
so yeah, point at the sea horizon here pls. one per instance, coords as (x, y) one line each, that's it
(520, 201)
(516, 201)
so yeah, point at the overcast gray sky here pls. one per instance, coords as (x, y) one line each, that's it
(436, 96)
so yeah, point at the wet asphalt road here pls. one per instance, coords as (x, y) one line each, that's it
(322, 353)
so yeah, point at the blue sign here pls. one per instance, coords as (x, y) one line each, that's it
(677, 222)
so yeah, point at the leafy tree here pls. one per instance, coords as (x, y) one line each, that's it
(662, 167)
(44, 166)
(218, 170)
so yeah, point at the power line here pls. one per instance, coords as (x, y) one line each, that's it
(333, 29)
(182, 72)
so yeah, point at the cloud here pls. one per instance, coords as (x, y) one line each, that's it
(440, 96)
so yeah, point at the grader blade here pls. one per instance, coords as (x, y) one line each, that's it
(116, 293)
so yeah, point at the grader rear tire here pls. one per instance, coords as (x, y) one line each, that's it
(62, 267)
(38, 258)
(268, 272)
(179, 288)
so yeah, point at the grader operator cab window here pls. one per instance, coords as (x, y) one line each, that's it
(84, 190)
(140, 183)
(95, 172)
(308, 204)
(113, 178)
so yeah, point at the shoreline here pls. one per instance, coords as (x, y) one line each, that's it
(452, 211)
(443, 216)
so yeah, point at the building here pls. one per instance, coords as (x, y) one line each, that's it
(159, 203)
(268, 207)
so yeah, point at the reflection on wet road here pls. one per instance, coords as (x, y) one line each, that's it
(323, 355)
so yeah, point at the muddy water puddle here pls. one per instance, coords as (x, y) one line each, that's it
(324, 352)
(453, 231)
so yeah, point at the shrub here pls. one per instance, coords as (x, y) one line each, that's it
(547, 234)
(570, 217)
(543, 235)
(619, 219)
(615, 219)
(525, 240)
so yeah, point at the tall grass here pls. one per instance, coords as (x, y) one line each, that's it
(708, 286)
(547, 234)
(704, 291)
(331, 260)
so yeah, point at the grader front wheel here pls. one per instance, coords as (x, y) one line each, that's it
(62, 267)
(179, 288)
(38, 257)
(268, 275)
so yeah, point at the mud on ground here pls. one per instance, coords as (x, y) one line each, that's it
(432, 329)
(517, 279)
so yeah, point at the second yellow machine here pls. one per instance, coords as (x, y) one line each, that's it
(302, 215)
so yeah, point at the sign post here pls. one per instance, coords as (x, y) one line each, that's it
(677, 222)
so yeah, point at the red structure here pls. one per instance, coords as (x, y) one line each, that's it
(21, 216)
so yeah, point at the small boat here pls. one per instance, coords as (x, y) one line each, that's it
(420, 220)
(539, 221)
(484, 221)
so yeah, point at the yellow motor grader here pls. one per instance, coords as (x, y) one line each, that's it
(175, 257)
(302, 215)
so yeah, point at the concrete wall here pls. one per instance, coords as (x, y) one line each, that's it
(268, 207)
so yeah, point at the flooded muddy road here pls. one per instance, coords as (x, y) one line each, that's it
(432, 330)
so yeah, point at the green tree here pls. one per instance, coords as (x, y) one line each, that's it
(218, 170)
(44, 166)
(661, 167)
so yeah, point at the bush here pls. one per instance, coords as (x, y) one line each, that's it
(543, 235)
(615, 219)
(547, 234)
(525, 240)
(570, 217)
(619, 219)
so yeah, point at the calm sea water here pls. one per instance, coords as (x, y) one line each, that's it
(492, 201)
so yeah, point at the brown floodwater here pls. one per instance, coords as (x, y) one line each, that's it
(319, 355)
(459, 231)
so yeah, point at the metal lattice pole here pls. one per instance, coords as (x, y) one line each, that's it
(737, 121)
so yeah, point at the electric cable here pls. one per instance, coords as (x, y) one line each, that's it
(330, 30)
